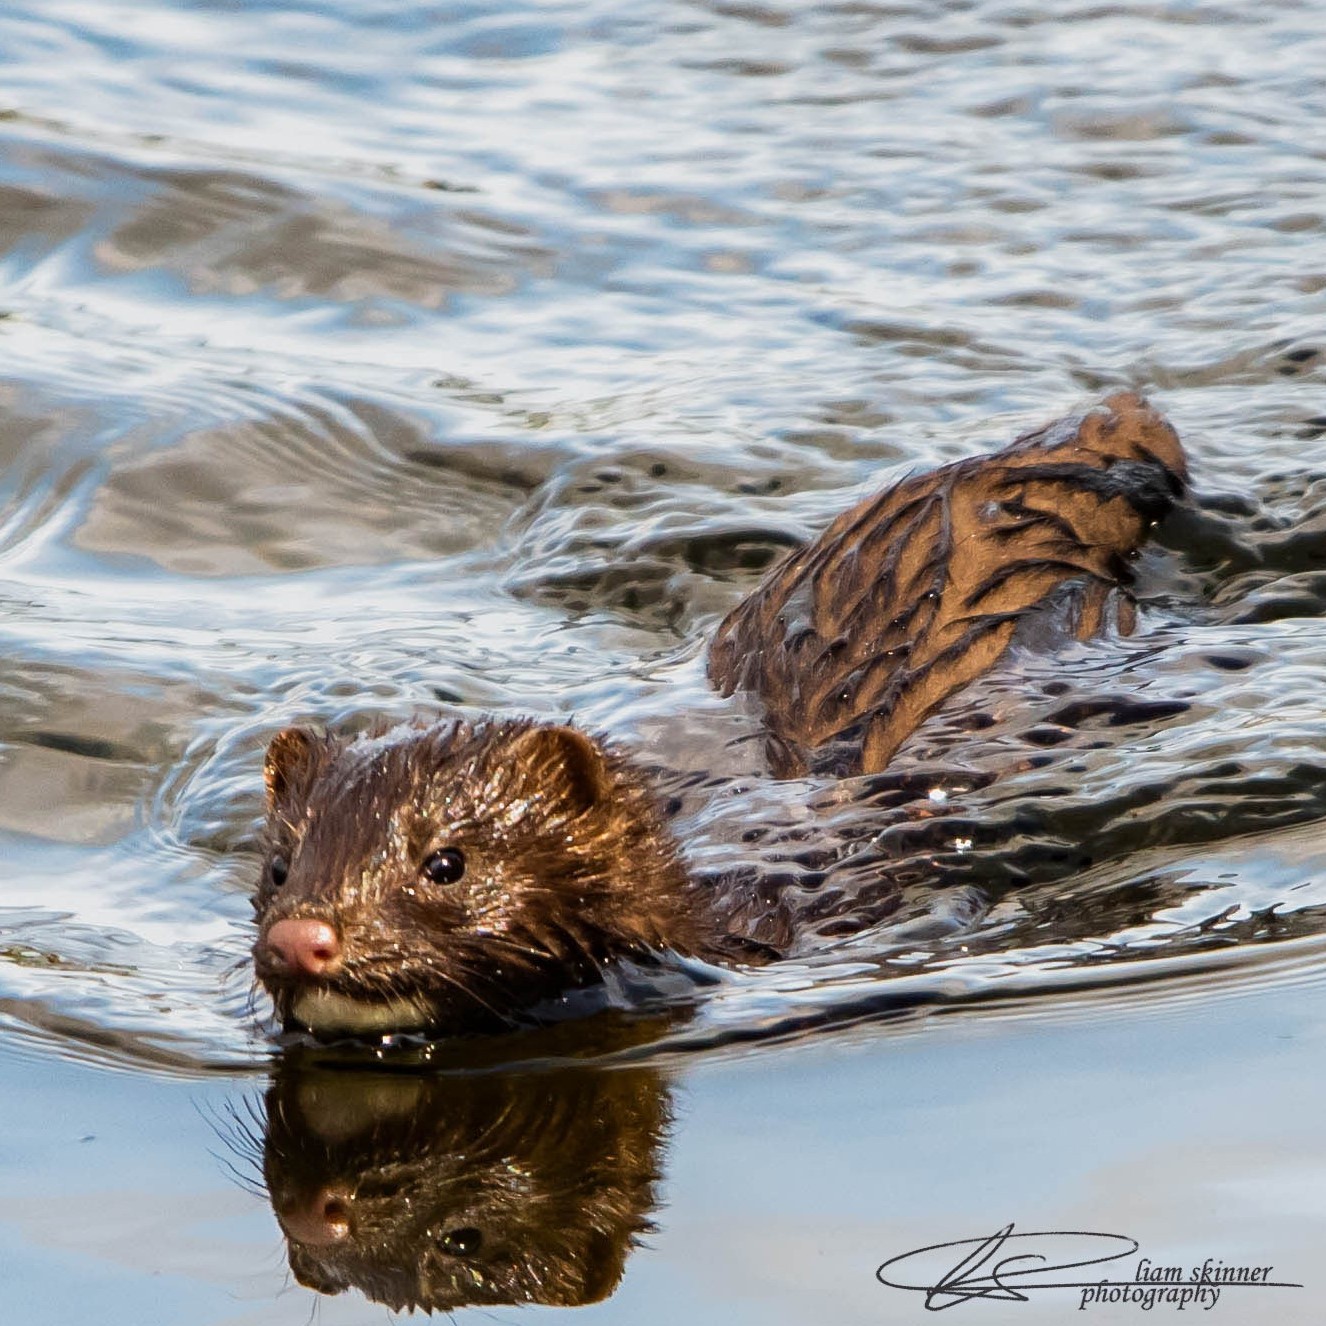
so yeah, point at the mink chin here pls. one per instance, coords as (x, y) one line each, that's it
(449, 878)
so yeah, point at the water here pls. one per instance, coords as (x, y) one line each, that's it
(364, 359)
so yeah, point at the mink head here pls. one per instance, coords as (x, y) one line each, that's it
(447, 878)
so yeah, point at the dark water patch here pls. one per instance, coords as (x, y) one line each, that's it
(267, 492)
(31, 219)
(230, 234)
(88, 748)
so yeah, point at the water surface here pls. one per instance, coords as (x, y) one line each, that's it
(368, 359)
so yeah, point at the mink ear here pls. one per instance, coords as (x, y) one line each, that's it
(290, 759)
(565, 764)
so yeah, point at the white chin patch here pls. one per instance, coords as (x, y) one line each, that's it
(326, 1012)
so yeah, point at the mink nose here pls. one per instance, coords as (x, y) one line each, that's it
(321, 1222)
(306, 946)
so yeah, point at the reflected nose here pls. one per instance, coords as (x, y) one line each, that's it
(320, 1223)
(306, 946)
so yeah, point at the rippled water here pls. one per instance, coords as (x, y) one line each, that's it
(362, 358)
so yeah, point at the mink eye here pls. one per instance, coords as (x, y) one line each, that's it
(444, 867)
(278, 868)
(462, 1242)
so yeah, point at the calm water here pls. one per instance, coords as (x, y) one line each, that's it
(361, 358)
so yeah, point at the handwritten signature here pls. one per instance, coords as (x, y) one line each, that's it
(1007, 1265)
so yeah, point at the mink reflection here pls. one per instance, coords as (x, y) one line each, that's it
(442, 1192)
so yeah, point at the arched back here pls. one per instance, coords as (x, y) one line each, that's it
(915, 592)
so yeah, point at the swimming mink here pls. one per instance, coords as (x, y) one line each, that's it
(447, 878)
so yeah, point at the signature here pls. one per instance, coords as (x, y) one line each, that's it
(1006, 1266)
(990, 1268)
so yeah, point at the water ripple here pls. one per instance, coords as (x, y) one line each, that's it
(420, 358)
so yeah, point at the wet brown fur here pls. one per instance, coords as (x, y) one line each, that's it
(570, 864)
(917, 591)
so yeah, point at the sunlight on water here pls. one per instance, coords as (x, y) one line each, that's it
(372, 359)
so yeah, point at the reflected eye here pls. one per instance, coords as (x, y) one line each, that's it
(444, 867)
(278, 868)
(462, 1242)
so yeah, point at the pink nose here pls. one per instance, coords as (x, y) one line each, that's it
(320, 1223)
(305, 946)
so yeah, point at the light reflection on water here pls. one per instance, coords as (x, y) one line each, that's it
(386, 358)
